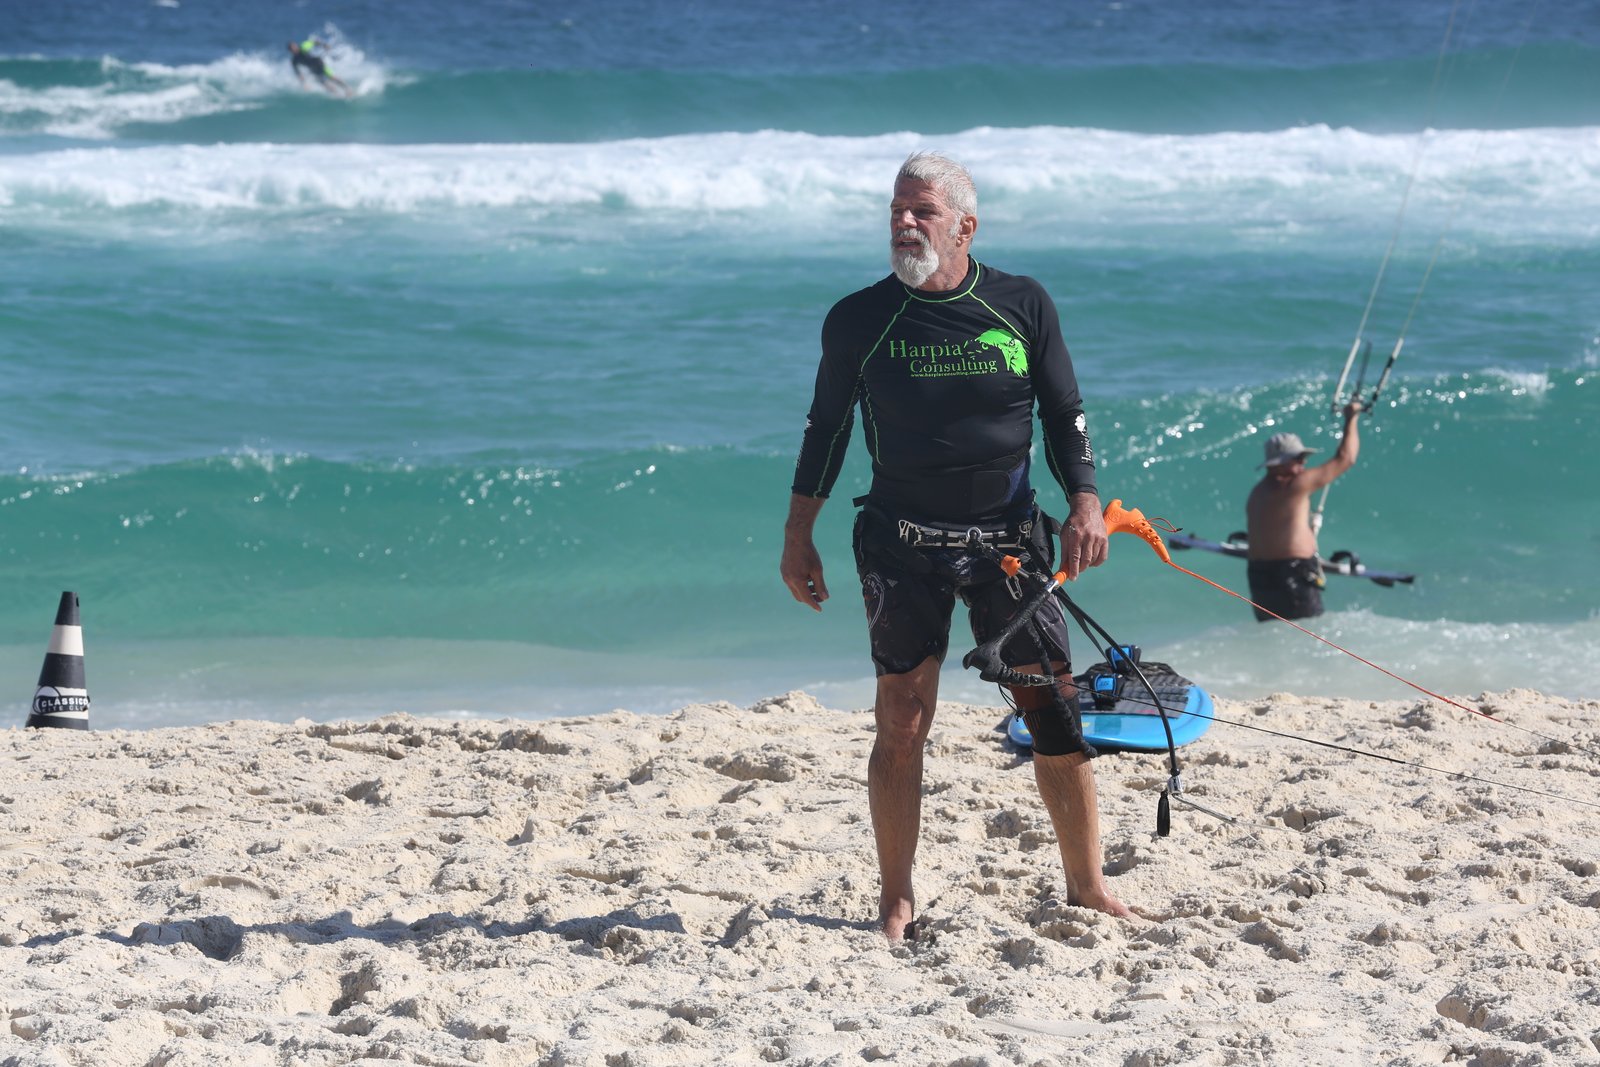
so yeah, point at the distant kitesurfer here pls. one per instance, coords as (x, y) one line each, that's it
(1284, 573)
(302, 58)
(947, 358)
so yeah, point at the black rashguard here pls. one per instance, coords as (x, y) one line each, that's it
(946, 383)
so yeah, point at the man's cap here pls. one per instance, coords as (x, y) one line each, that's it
(1284, 448)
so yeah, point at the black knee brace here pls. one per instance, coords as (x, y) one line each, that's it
(1057, 728)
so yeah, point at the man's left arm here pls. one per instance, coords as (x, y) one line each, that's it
(1067, 448)
(1342, 459)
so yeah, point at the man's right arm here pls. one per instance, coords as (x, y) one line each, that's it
(802, 566)
(822, 449)
(832, 413)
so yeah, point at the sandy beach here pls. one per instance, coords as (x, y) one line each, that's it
(697, 888)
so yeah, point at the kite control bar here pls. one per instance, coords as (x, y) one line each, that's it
(986, 657)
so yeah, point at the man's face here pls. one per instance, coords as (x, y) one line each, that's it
(1286, 472)
(923, 232)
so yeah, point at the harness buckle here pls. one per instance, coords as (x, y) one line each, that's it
(916, 535)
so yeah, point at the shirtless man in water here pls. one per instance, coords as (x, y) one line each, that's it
(1284, 573)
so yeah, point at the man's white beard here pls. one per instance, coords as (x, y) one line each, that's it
(911, 266)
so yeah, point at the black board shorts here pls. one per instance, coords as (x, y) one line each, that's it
(1290, 587)
(910, 596)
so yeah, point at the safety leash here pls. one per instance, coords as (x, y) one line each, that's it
(1352, 750)
(1132, 521)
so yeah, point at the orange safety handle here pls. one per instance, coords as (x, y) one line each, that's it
(1121, 520)
(1012, 566)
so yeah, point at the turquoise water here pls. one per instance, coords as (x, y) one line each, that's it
(480, 393)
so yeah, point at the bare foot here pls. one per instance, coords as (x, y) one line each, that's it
(1101, 900)
(897, 918)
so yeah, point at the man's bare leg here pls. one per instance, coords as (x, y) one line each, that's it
(904, 714)
(1066, 785)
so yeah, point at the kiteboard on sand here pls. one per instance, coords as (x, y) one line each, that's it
(1346, 563)
(1118, 714)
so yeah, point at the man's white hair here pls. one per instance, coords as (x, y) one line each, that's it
(948, 177)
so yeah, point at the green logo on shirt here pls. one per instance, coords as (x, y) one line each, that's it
(1015, 353)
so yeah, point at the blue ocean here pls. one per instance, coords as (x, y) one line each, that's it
(478, 393)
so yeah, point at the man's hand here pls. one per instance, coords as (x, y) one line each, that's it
(802, 571)
(1352, 409)
(801, 567)
(1083, 536)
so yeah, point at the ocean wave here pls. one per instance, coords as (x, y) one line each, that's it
(1546, 84)
(1542, 184)
(1535, 384)
(106, 98)
(89, 113)
(602, 551)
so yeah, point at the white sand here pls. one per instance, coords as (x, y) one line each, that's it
(697, 889)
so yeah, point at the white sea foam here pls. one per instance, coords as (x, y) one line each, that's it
(1535, 384)
(257, 74)
(159, 94)
(161, 686)
(1250, 659)
(1290, 186)
(95, 112)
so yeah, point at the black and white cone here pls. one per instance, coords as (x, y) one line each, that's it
(62, 699)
